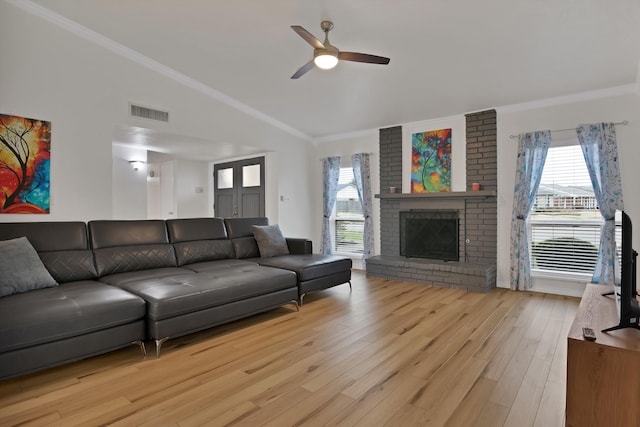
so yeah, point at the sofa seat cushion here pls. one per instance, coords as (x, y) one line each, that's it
(120, 279)
(64, 311)
(309, 266)
(220, 265)
(181, 294)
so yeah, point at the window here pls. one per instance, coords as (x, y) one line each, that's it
(565, 220)
(348, 219)
(251, 175)
(225, 178)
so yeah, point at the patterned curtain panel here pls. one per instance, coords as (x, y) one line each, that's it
(532, 153)
(330, 175)
(362, 176)
(598, 142)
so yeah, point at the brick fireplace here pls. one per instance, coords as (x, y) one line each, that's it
(476, 213)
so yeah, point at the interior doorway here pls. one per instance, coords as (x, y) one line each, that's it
(239, 188)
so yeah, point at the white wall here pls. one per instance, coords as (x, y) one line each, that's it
(129, 192)
(289, 195)
(36, 84)
(154, 201)
(84, 90)
(518, 119)
(192, 186)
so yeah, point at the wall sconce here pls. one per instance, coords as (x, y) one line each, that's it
(136, 164)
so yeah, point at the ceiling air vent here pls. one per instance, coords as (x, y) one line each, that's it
(148, 113)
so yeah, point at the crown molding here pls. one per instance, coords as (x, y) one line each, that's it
(346, 135)
(376, 131)
(633, 88)
(569, 99)
(137, 57)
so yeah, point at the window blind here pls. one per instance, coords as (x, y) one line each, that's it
(565, 220)
(348, 221)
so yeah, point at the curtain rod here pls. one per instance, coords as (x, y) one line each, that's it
(624, 123)
(349, 156)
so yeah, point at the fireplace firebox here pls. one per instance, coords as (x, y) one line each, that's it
(430, 234)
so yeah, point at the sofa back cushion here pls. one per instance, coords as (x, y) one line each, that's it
(70, 266)
(199, 240)
(240, 231)
(62, 246)
(243, 227)
(190, 229)
(245, 247)
(121, 246)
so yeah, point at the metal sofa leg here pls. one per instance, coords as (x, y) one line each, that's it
(350, 288)
(296, 304)
(301, 298)
(159, 345)
(142, 347)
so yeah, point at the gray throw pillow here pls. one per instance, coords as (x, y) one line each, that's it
(270, 240)
(21, 269)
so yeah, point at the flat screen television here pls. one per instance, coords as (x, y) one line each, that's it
(625, 291)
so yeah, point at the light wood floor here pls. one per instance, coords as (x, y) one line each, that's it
(387, 354)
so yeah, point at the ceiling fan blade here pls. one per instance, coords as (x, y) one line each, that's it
(310, 38)
(303, 70)
(363, 57)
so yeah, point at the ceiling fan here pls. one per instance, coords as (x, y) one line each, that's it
(326, 56)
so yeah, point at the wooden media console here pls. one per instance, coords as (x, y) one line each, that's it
(603, 376)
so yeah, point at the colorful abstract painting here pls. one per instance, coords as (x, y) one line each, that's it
(25, 148)
(431, 161)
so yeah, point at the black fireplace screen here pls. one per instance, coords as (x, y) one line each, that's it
(429, 234)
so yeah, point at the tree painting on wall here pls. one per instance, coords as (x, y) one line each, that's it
(25, 148)
(431, 161)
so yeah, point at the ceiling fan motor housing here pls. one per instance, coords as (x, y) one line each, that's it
(328, 50)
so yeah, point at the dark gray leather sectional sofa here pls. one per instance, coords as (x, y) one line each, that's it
(123, 282)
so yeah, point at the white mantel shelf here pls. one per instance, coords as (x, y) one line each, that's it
(482, 194)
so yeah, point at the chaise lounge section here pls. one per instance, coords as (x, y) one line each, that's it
(314, 272)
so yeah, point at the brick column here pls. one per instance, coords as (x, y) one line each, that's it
(390, 176)
(482, 164)
(482, 167)
(391, 159)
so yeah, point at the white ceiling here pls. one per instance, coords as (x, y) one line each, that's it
(447, 56)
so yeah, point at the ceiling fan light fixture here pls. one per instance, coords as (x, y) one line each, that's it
(326, 56)
(325, 60)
